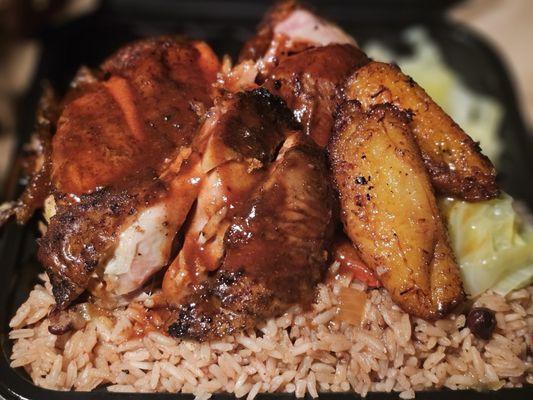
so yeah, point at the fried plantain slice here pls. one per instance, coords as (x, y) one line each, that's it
(389, 210)
(455, 163)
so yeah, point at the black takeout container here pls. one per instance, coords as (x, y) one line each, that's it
(226, 25)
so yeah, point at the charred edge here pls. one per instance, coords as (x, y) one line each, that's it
(274, 104)
(191, 324)
(470, 188)
(447, 308)
(209, 313)
(62, 289)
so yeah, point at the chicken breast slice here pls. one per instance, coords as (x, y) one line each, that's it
(288, 28)
(244, 132)
(275, 249)
(125, 170)
(144, 247)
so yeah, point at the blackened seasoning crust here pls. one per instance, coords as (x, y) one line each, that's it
(252, 127)
(78, 237)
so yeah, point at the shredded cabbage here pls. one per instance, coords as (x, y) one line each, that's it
(493, 246)
(480, 116)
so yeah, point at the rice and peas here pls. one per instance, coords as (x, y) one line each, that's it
(299, 353)
(368, 345)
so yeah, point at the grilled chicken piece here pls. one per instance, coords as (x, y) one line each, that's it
(288, 28)
(275, 250)
(308, 81)
(244, 132)
(79, 236)
(389, 210)
(124, 173)
(301, 58)
(145, 244)
(125, 233)
(148, 98)
(455, 163)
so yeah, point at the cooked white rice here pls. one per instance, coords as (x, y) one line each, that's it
(301, 353)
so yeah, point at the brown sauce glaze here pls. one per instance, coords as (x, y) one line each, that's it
(234, 183)
(244, 133)
(112, 130)
(79, 235)
(308, 82)
(122, 144)
(275, 250)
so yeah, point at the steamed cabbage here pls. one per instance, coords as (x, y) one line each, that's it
(493, 246)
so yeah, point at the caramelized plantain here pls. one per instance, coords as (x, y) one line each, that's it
(455, 163)
(389, 210)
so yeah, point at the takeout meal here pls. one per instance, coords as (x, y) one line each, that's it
(304, 220)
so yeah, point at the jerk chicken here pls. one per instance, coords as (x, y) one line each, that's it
(122, 167)
(241, 183)
(243, 134)
(275, 248)
(308, 82)
(286, 29)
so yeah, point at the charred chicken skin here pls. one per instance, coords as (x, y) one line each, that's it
(148, 92)
(309, 80)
